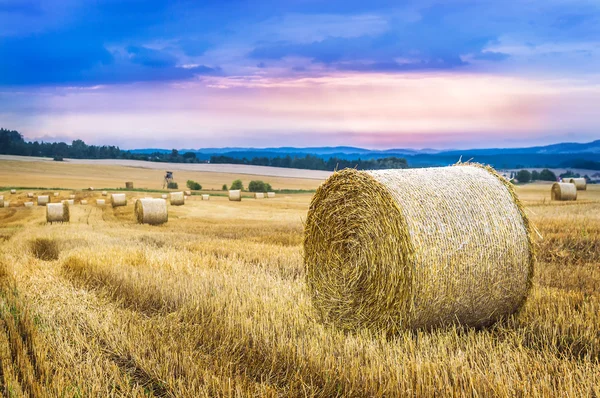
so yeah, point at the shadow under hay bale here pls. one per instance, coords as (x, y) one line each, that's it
(235, 195)
(563, 191)
(57, 212)
(392, 250)
(44, 249)
(151, 211)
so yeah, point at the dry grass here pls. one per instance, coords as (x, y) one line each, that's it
(214, 303)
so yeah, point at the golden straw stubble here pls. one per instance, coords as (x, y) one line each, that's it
(414, 249)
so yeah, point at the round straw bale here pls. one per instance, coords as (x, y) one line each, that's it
(205, 197)
(164, 196)
(129, 185)
(104, 193)
(55, 194)
(28, 204)
(235, 195)
(91, 188)
(100, 202)
(188, 193)
(151, 211)
(84, 202)
(391, 250)
(57, 212)
(6, 203)
(259, 195)
(13, 191)
(69, 201)
(43, 200)
(563, 191)
(580, 183)
(71, 196)
(177, 199)
(118, 199)
(270, 194)
(30, 194)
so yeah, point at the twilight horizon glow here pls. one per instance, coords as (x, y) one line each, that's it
(379, 74)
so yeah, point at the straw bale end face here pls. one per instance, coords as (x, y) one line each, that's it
(118, 199)
(392, 250)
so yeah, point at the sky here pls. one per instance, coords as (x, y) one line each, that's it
(374, 74)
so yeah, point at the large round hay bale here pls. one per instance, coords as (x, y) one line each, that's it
(28, 204)
(391, 250)
(259, 195)
(235, 195)
(580, 183)
(270, 194)
(129, 185)
(43, 200)
(151, 211)
(100, 202)
(104, 193)
(205, 197)
(118, 199)
(177, 199)
(563, 191)
(57, 212)
(30, 194)
(13, 191)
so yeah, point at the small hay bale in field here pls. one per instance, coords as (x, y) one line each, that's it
(30, 194)
(580, 183)
(6, 203)
(177, 199)
(129, 184)
(55, 194)
(118, 199)
(270, 194)
(71, 196)
(57, 212)
(391, 250)
(84, 202)
(151, 211)
(1, 198)
(205, 197)
(164, 196)
(563, 191)
(68, 201)
(259, 195)
(43, 200)
(188, 193)
(100, 202)
(91, 188)
(28, 204)
(13, 191)
(104, 193)
(235, 195)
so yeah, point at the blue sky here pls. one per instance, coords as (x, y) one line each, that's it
(274, 73)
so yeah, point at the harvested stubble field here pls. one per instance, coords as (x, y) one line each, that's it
(214, 303)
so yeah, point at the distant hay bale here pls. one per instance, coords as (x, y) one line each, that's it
(235, 195)
(71, 196)
(43, 200)
(104, 193)
(205, 197)
(151, 211)
(6, 203)
(91, 188)
(270, 194)
(13, 191)
(580, 183)
(57, 212)
(129, 185)
(69, 201)
(188, 193)
(84, 202)
(28, 204)
(563, 191)
(30, 194)
(100, 202)
(164, 196)
(55, 194)
(391, 250)
(177, 199)
(118, 199)
(259, 195)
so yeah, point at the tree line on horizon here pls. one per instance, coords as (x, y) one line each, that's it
(13, 143)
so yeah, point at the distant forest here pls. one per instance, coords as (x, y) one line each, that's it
(12, 143)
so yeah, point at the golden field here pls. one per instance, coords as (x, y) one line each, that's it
(214, 303)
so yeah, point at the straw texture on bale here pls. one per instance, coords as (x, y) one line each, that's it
(151, 211)
(57, 212)
(391, 250)
(235, 195)
(580, 183)
(118, 199)
(43, 200)
(100, 202)
(177, 199)
(28, 204)
(164, 196)
(129, 185)
(84, 202)
(205, 197)
(30, 194)
(13, 191)
(104, 193)
(270, 194)
(563, 191)
(259, 195)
